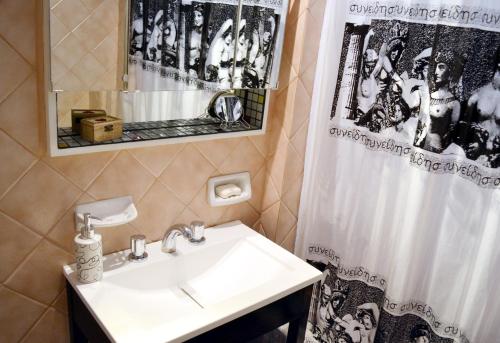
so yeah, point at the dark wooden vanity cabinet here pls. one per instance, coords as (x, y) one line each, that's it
(292, 309)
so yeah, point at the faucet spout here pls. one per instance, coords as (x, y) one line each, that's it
(168, 243)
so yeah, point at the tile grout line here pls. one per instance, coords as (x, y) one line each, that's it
(20, 143)
(16, 181)
(99, 173)
(288, 234)
(80, 191)
(17, 52)
(32, 327)
(23, 261)
(61, 174)
(149, 169)
(6, 97)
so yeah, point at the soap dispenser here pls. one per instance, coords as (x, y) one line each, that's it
(88, 252)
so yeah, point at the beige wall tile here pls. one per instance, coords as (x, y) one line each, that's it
(40, 276)
(57, 32)
(307, 78)
(92, 4)
(61, 302)
(123, 176)
(17, 315)
(258, 183)
(16, 242)
(91, 33)
(276, 164)
(70, 12)
(218, 150)
(64, 232)
(291, 195)
(296, 7)
(22, 123)
(186, 217)
(13, 68)
(156, 159)
(301, 108)
(271, 195)
(200, 206)
(269, 220)
(286, 221)
(17, 25)
(312, 28)
(245, 157)
(289, 241)
(40, 198)
(81, 169)
(116, 238)
(294, 166)
(16, 161)
(52, 327)
(69, 51)
(89, 70)
(244, 212)
(106, 52)
(107, 13)
(294, 40)
(260, 142)
(187, 173)
(299, 139)
(287, 72)
(157, 210)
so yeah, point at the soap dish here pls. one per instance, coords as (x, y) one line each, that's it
(240, 180)
(106, 213)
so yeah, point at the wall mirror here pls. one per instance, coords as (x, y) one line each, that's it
(152, 45)
(157, 66)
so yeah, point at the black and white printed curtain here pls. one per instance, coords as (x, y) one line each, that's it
(205, 44)
(400, 206)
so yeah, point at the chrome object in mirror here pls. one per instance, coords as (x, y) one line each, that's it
(228, 108)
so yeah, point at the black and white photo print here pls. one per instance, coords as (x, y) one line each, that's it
(256, 42)
(348, 308)
(204, 44)
(429, 88)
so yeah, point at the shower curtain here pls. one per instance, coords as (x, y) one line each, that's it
(400, 205)
(205, 44)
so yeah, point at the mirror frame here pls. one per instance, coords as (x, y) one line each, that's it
(51, 113)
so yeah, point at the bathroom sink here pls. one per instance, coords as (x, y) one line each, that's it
(173, 297)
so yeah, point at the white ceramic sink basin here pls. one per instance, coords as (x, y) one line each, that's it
(173, 297)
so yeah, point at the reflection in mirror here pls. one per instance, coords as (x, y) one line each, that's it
(87, 44)
(151, 45)
(204, 44)
(108, 117)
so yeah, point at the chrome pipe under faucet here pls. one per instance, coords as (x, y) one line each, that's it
(194, 233)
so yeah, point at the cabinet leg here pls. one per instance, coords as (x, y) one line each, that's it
(297, 327)
(297, 330)
(75, 333)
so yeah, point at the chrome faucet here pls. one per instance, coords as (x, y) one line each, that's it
(194, 233)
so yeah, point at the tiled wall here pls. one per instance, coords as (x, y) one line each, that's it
(85, 44)
(38, 193)
(288, 122)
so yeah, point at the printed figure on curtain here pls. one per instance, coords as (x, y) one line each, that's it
(433, 86)
(193, 42)
(347, 309)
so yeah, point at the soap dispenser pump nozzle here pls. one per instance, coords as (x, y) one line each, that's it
(88, 229)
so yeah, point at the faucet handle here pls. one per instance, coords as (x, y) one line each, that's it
(138, 248)
(198, 231)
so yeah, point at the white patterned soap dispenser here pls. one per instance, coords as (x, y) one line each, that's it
(88, 253)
